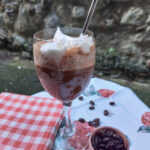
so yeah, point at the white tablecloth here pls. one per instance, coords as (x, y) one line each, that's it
(125, 115)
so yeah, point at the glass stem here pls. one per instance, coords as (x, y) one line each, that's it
(68, 130)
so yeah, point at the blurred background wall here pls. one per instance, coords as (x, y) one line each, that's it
(121, 27)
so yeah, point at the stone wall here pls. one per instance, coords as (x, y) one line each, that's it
(121, 27)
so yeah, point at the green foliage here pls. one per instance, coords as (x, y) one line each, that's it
(26, 45)
(111, 50)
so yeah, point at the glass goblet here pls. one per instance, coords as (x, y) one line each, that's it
(64, 75)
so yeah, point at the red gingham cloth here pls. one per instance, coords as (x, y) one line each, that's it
(28, 123)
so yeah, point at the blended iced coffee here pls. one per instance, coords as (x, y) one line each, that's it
(65, 64)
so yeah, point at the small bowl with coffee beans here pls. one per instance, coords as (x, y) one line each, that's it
(108, 138)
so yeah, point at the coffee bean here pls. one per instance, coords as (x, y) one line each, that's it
(120, 139)
(116, 136)
(117, 142)
(119, 147)
(96, 124)
(96, 120)
(106, 112)
(96, 140)
(101, 133)
(112, 103)
(81, 98)
(92, 102)
(106, 139)
(90, 123)
(109, 133)
(82, 120)
(102, 145)
(91, 107)
(110, 145)
(93, 143)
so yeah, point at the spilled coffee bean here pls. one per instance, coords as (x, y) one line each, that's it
(91, 107)
(92, 102)
(106, 112)
(96, 120)
(96, 124)
(112, 103)
(90, 123)
(81, 98)
(82, 120)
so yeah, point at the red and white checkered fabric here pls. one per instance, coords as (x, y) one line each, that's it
(28, 123)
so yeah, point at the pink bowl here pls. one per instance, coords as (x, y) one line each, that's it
(124, 138)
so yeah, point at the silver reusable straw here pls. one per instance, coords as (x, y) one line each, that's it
(89, 16)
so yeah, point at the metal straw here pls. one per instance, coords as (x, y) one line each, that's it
(89, 16)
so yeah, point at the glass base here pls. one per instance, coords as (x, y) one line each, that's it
(62, 141)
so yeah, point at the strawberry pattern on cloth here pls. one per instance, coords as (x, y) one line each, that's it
(106, 92)
(28, 123)
(145, 119)
(82, 130)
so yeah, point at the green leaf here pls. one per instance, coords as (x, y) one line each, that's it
(111, 50)
(144, 129)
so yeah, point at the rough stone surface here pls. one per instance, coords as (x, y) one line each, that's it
(78, 12)
(148, 63)
(134, 16)
(148, 29)
(130, 49)
(147, 53)
(148, 19)
(52, 21)
(25, 54)
(18, 40)
(3, 34)
(121, 28)
(24, 24)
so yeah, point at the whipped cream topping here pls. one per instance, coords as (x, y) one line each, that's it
(61, 43)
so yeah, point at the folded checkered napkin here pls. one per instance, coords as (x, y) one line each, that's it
(28, 123)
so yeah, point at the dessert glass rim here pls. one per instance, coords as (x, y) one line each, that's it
(88, 32)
